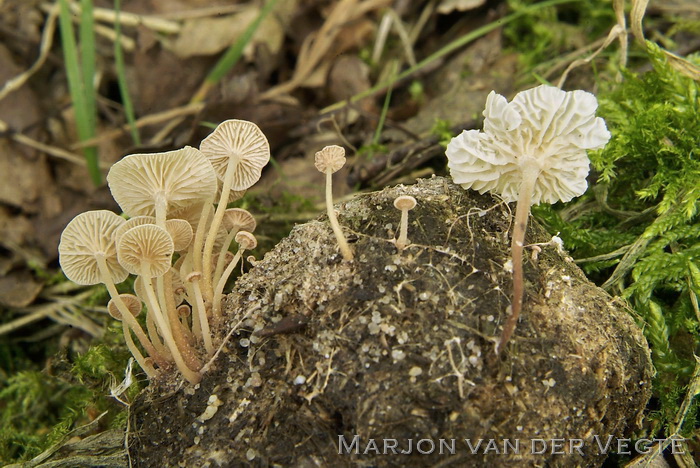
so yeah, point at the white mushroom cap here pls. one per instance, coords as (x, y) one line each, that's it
(132, 302)
(146, 250)
(90, 234)
(182, 178)
(543, 127)
(405, 202)
(237, 140)
(181, 232)
(246, 240)
(239, 219)
(330, 158)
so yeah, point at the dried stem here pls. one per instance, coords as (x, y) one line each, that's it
(522, 212)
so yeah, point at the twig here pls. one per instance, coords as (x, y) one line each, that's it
(44, 49)
(50, 150)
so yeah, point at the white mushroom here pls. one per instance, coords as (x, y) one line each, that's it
(531, 150)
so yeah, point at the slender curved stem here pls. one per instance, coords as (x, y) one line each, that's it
(203, 320)
(148, 368)
(176, 326)
(192, 376)
(221, 261)
(340, 237)
(219, 291)
(126, 314)
(214, 228)
(522, 211)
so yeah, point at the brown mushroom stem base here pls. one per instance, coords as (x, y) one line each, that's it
(521, 214)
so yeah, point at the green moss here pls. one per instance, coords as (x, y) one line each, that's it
(637, 228)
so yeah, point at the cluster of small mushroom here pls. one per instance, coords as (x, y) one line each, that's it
(174, 241)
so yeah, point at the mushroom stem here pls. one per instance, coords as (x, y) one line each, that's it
(402, 241)
(340, 237)
(147, 367)
(192, 376)
(161, 209)
(126, 314)
(176, 326)
(153, 334)
(215, 223)
(221, 261)
(219, 291)
(201, 313)
(522, 212)
(199, 235)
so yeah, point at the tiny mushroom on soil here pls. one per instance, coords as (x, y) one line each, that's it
(531, 150)
(405, 203)
(329, 160)
(245, 241)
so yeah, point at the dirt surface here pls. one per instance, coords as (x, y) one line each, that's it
(400, 345)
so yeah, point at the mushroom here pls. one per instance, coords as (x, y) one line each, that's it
(405, 203)
(235, 219)
(245, 241)
(179, 229)
(329, 160)
(134, 306)
(238, 150)
(87, 254)
(154, 184)
(531, 150)
(147, 251)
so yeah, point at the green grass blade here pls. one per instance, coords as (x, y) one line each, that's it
(452, 46)
(77, 90)
(121, 77)
(234, 53)
(88, 61)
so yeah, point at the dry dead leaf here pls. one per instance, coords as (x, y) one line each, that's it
(18, 289)
(209, 36)
(319, 44)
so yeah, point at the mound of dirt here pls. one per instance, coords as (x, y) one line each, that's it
(333, 363)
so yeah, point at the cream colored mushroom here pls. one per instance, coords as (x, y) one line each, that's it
(405, 203)
(238, 150)
(235, 219)
(88, 255)
(328, 161)
(179, 229)
(147, 251)
(246, 241)
(155, 184)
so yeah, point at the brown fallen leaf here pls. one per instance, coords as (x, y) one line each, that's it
(18, 289)
(209, 36)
